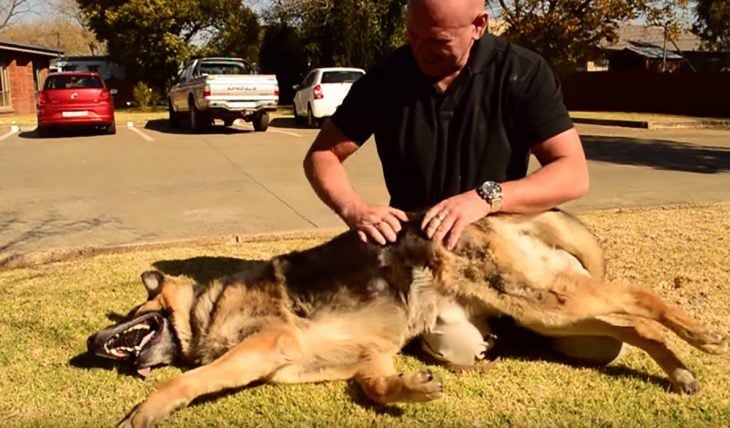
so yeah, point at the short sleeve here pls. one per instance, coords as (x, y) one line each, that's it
(355, 117)
(541, 113)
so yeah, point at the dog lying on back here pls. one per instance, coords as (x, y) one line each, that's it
(344, 309)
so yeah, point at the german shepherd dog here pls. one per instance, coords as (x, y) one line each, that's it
(344, 309)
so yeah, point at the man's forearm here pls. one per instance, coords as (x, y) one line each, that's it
(554, 184)
(330, 181)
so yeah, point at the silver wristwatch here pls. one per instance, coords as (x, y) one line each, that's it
(491, 191)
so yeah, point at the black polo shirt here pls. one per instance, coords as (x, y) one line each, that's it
(435, 144)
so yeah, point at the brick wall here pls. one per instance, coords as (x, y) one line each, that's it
(22, 85)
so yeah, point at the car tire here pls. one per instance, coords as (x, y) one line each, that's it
(312, 121)
(173, 116)
(111, 129)
(298, 120)
(43, 131)
(261, 121)
(199, 120)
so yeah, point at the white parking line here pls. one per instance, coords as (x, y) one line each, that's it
(14, 129)
(242, 125)
(293, 134)
(132, 128)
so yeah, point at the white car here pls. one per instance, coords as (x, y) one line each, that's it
(321, 92)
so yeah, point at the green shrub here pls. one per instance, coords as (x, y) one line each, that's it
(145, 97)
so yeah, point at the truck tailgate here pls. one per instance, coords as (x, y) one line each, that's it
(246, 90)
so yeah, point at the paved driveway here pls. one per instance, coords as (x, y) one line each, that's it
(150, 183)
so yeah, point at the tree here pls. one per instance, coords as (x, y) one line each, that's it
(79, 33)
(151, 38)
(672, 16)
(11, 9)
(565, 32)
(713, 23)
(343, 32)
(55, 33)
(236, 33)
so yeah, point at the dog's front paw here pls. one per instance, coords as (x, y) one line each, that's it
(713, 343)
(137, 419)
(419, 387)
(684, 382)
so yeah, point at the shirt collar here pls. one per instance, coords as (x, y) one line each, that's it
(481, 54)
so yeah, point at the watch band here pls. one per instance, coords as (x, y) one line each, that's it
(491, 191)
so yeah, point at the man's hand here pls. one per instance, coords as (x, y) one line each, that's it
(451, 216)
(376, 223)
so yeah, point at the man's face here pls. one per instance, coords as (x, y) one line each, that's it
(439, 50)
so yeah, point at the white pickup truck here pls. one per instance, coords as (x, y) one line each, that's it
(221, 88)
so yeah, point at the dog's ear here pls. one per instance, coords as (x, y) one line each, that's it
(152, 280)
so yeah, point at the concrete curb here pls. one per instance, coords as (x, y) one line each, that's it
(690, 124)
(36, 258)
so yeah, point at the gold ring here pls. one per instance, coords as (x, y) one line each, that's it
(441, 216)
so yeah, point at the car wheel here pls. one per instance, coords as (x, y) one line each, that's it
(174, 117)
(299, 120)
(261, 121)
(111, 129)
(198, 120)
(312, 121)
(43, 131)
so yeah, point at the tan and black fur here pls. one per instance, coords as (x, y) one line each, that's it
(344, 309)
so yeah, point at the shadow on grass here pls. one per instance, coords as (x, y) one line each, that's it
(205, 269)
(659, 154)
(87, 361)
(518, 343)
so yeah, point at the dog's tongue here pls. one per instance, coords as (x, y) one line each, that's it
(144, 372)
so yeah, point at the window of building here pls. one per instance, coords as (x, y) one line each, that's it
(5, 100)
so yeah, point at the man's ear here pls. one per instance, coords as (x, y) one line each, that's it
(480, 24)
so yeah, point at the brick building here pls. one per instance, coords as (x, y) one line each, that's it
(22, 71)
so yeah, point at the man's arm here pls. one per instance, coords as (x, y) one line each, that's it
(563, 177)
(323, 166)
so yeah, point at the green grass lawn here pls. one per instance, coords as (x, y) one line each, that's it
(680, 252)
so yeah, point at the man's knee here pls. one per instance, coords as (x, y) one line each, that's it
(454, 339)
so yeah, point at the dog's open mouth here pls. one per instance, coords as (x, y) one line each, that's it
(131, 341)
(127, 340)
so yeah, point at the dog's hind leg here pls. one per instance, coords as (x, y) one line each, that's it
(255, 358)
(638, 332)
(643, 302)
(383, 384)
(572, 298)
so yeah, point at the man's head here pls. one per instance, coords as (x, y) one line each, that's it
(441, 33)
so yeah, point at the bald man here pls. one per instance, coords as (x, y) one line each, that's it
(455, 115)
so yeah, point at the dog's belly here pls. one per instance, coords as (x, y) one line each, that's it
(537, 261)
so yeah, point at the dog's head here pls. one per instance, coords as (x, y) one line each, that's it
(147, 336)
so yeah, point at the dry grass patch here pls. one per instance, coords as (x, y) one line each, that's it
(683, 253)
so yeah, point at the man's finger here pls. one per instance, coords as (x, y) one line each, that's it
(374, 233)
(393, 222)
(399, 214)
(387, 231)
(443, 228)
(455, 233)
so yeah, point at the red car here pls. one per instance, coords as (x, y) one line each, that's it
(73, 99)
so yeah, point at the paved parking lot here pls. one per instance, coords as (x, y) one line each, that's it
(151, 183)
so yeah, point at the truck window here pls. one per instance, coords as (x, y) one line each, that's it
(229, 67)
